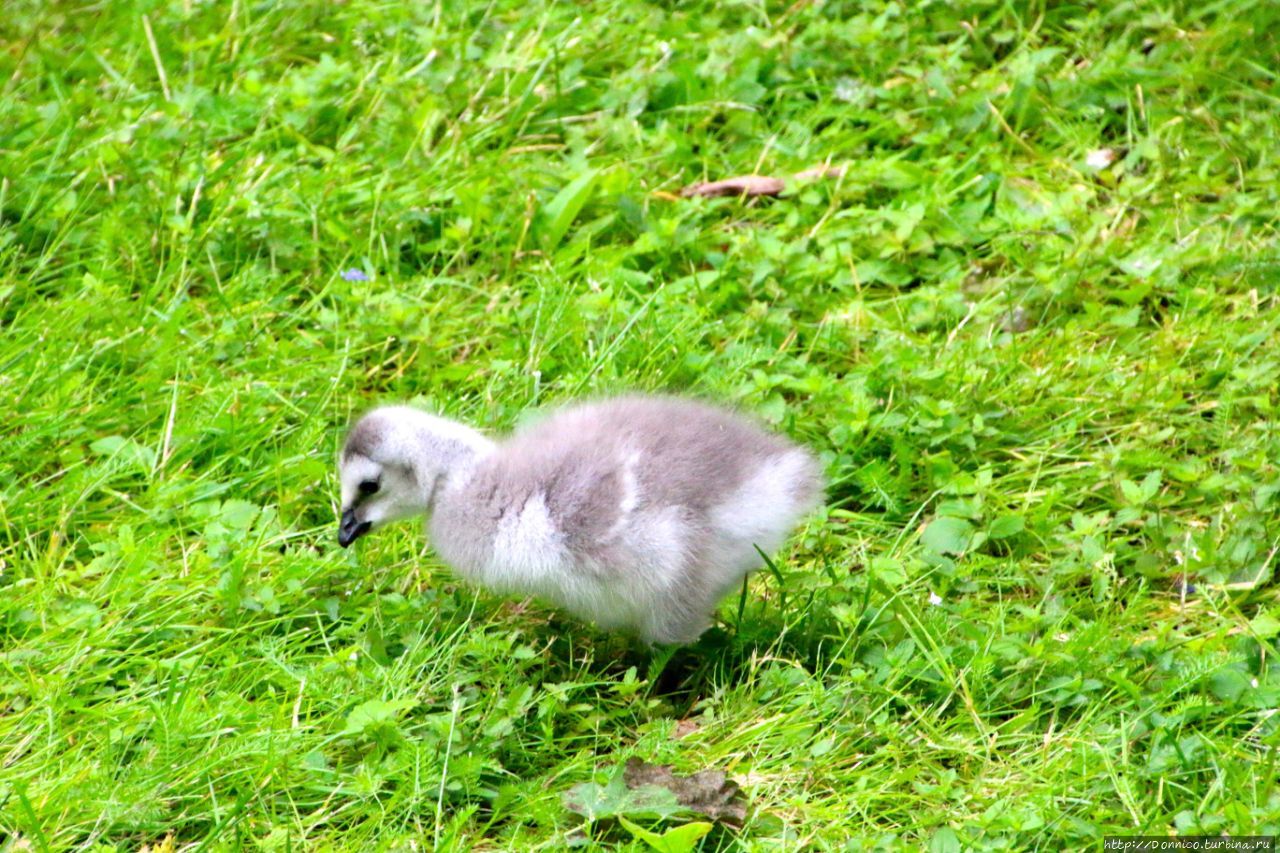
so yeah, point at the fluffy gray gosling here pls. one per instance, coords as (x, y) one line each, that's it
(637, 513)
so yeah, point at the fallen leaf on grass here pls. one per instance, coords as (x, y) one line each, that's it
(1016, 321)
(707, 792)
(684, 728)
(746, 185)
(617, 799)
(644, 790)
(754, 185)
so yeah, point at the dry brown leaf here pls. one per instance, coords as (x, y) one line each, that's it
(707, 792)
(754, 185)
(744, 185)
(1016, 321)
(684, 728)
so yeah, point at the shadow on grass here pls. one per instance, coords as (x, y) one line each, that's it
(680, 676)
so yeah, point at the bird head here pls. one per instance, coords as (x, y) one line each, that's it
(393, 463)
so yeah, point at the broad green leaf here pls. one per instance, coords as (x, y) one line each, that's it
(1006, 526)
(947, 535)
(1139, 495)
(944, 840)
(1228, 684)
(680, 839)
(1150, 486)
(375, 713)
(1265, 625)
(559, 213)
(125, 450)
(1132, 493)
(889, 571)
(238, 514)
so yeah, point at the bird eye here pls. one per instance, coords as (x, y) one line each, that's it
(368, 487)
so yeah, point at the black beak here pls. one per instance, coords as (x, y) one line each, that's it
(349, 530)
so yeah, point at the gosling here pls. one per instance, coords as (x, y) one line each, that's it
(636, 513)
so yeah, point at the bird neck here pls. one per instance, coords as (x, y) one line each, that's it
(447, 450)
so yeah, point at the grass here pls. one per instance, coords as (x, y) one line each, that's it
(1039, 607)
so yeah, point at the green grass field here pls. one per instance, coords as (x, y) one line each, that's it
(1039, 607)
